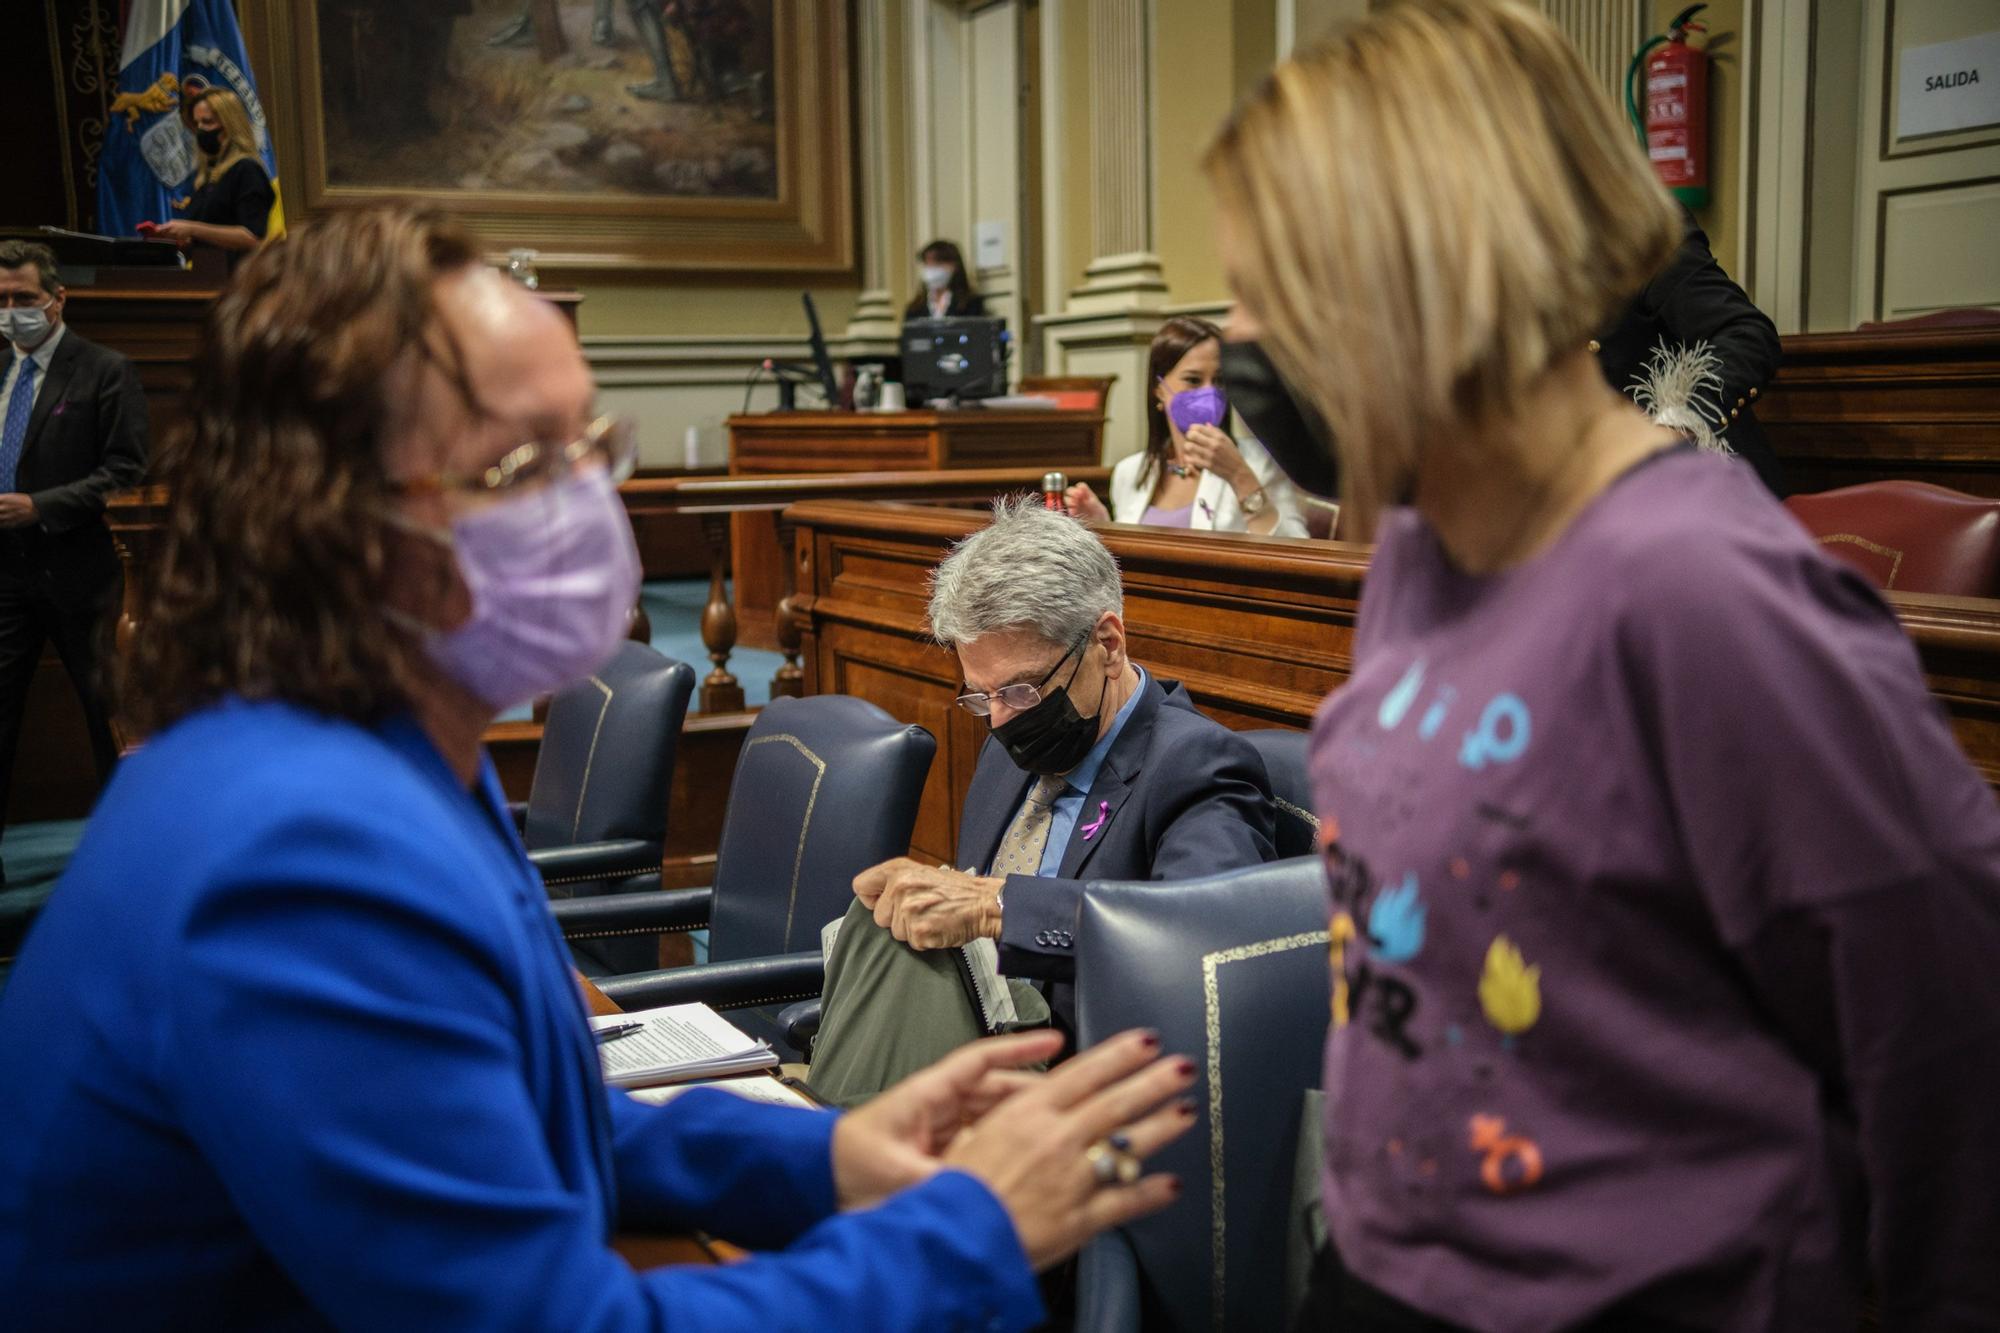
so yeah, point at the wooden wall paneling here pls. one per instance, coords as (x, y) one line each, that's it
(1848, 408)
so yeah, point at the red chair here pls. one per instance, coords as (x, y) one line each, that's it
(1909, 536)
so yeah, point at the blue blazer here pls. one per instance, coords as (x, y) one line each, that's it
(1180, 795)
(295, 1044)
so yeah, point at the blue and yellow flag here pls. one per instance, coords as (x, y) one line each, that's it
(173, 48)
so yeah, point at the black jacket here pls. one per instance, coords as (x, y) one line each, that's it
(86, 438)
(1691, 300)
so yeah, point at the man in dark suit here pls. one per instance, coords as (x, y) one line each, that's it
(72, 430)
(1093, 769)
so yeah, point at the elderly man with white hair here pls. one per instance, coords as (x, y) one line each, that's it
(1093, 769)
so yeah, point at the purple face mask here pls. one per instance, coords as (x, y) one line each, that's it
(553, 577)
(1205, 406)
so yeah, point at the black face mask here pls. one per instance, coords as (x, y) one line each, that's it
(1299, 442)
(210, 141)
(1051, 738)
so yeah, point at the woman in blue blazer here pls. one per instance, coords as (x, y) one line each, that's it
(295, 1043)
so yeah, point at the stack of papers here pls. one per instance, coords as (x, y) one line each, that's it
(767, 1090)
(678, 1043)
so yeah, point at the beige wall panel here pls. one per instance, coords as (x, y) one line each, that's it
(1074, 201)
(639, 309)
(993, 85)
(1938, 249)
(1194, 83)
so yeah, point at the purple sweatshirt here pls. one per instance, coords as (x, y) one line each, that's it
(1666, 933)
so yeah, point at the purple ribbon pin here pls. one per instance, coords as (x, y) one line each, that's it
(1103, 813)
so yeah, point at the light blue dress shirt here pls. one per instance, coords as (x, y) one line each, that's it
(1068, 807)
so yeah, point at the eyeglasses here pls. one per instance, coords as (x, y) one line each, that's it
(1017, 698)
(611, 441)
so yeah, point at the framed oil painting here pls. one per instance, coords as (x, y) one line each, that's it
(632, 134)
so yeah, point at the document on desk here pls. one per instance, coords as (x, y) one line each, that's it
(678, 1043)
(756, 1089)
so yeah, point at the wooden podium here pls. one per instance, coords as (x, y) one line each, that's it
(792, 442)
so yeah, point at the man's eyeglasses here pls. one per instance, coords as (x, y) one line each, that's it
(611, 442)
(1018, 698)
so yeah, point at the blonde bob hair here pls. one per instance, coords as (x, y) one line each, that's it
(1430, 208)
(240, 137)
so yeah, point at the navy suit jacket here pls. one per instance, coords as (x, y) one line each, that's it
(296, 1044)
(86, 439)
(1181, 796)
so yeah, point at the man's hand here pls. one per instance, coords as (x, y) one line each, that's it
(17, 511)
(930, 907)
(895, 1140)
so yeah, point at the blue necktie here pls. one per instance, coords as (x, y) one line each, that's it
(14, 432)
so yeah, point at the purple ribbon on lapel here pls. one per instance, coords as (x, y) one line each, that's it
(1090, 830)
(60, 408)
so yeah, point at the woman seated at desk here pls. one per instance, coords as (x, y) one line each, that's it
(230, 208)
(1191, 473)
(947, 289)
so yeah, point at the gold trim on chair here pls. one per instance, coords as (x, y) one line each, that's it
(1893, 556)
(1286, 807)
(1211, 998)
(583, 788)
(805, 825)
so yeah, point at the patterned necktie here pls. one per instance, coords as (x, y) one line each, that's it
(14, 430)
(1021, 849)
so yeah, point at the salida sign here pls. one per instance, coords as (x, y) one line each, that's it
(1949, 86)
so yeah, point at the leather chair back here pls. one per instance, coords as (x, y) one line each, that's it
(1284, 754)
(1231, 970)
(826, 787)
(607, 756)
(1909, 536)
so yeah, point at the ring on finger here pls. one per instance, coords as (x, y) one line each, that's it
(1112, 1160)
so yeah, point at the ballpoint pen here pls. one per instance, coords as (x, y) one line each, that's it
(616, 1031)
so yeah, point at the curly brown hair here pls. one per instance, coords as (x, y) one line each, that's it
(272, 576)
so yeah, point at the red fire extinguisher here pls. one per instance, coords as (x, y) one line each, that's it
(1674, 124)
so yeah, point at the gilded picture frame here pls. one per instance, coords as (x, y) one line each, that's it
(733, 155)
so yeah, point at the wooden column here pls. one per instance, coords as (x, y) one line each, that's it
(720, 692)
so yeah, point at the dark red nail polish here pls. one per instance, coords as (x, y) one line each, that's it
(1151, 1041)
(1174, 1186)
(1186, 1108)
(1184, 1067)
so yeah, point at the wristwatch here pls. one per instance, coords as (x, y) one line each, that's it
(1253, 503)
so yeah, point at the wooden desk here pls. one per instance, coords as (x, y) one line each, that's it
(1921, 404)
(1259, 630)
(826, 442)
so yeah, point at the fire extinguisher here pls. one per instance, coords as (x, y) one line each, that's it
(1674, 127)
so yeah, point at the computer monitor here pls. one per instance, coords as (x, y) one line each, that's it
(822, 363)
(955, 357)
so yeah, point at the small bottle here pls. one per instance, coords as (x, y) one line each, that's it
(1053, 486)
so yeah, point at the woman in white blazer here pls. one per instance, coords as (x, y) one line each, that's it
(1191, 474)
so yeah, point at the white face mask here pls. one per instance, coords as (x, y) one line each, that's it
(936, 277)
(25, 328)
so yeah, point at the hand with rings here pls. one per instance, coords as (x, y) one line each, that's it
(1064, 1155)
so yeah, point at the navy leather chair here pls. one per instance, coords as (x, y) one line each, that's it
(1284, 755)
(1232, 971)
(826, 787)
(597, 814)
(598, 808)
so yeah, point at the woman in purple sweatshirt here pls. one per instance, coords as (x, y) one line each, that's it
(1665, 910)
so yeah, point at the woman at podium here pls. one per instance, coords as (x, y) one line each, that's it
(230, 208)
(947, 288)
(1192, 473)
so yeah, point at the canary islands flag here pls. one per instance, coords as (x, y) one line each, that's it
(173, 49)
